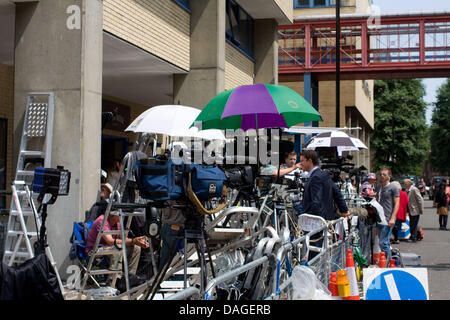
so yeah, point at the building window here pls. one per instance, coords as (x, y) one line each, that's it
(3, 142)
(301, 3)
(184, 4)
(239, 28)
(321, 3)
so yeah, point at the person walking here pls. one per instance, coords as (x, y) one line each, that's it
(422, 187)
(401, 214)
(447, 191)
(388, 196)
(415, 207)
(440, 201)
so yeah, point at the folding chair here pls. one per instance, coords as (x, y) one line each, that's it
(78, 249)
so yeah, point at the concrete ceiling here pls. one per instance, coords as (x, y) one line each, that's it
(129, 72)
(133, 74)
(264, 9)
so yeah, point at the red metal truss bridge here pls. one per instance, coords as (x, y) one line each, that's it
(410, 45)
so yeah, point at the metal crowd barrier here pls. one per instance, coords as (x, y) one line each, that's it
(184, 294)
(321, 264)
(330, 256)
(231, 274)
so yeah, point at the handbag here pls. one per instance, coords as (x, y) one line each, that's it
(442, 211)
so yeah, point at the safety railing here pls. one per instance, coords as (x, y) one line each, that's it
(321, 264)
(184, 294)
(232, 274)
(330, 255)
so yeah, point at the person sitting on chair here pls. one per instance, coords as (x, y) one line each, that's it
(109, 241)
(99, 207)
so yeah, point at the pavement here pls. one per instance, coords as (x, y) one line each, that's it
(434, 251)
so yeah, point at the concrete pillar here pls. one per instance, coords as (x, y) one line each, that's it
(59, 49)
(206, 77)
(266, 51)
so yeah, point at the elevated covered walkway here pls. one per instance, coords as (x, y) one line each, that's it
(398, 45)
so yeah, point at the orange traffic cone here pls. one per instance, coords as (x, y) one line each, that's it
(376, 249)
(351, 275)
(333, 285)
(392, 263)
(382, 262)
(376, 258)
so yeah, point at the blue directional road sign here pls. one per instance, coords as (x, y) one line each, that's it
(397, 284)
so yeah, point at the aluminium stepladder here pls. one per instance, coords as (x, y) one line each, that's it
(123, 210)
(35, 150)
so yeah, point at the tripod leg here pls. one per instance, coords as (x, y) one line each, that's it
(185, 263)
(152, 256)
(210, 259)
(160, 276)
(201, 257)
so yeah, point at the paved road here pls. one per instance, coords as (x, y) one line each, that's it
(434, 250)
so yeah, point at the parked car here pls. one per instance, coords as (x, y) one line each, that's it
(401, 178)
(435, 181)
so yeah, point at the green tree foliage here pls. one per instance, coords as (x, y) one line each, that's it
(400, 138)
(440, 131)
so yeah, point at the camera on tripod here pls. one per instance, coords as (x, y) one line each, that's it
(335, 166)
(239, 176)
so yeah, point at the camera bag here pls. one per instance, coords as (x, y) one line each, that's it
(160, 178)
(207, 181)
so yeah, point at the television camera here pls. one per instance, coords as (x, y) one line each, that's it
(335, 166)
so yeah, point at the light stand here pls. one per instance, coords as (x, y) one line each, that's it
(49, 183)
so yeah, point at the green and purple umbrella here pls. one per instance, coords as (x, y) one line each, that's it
(256, 106)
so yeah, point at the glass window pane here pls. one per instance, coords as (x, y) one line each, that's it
(243, 35)
(183, 3)
(239, 27)
(251, 31)
(234, 13)
(228, 28)
(320, 2)
(302, 3)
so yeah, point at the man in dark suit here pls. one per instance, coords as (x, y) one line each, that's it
(321, 195)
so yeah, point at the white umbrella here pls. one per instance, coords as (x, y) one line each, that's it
(172, 120)
(338, 139)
